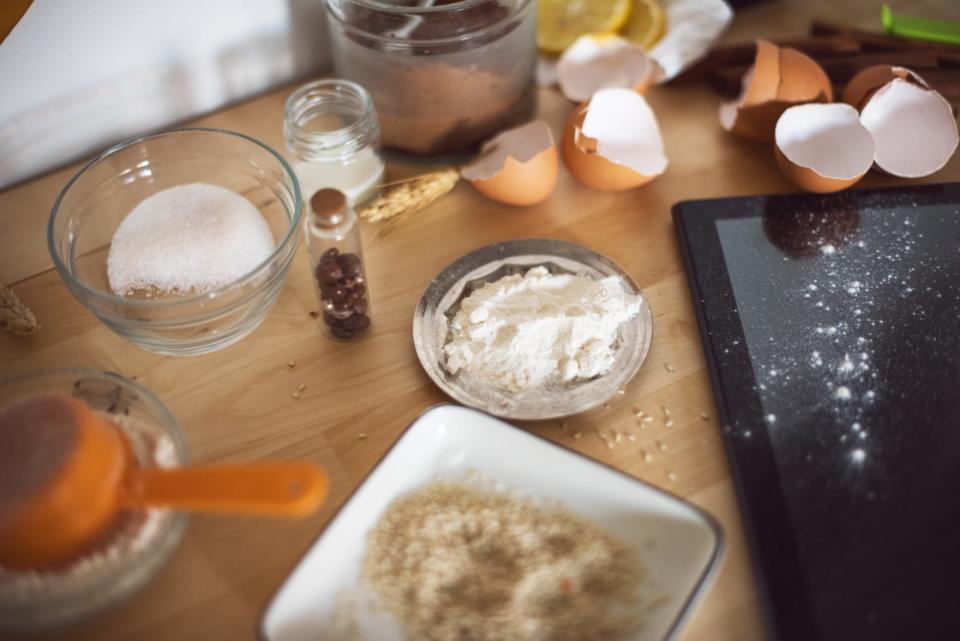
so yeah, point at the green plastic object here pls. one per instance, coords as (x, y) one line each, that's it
(920, 28)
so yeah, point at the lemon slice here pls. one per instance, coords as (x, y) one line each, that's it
(646, 23)
(560, 22)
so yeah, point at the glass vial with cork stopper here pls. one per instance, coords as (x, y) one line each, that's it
(336, 256)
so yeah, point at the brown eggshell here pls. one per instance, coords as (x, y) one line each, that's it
(518, 166)
(580, 154)
(863, 85)
(802, 79)
(809, 180)
(778, 79)
(761, 81)
(823, 147)
(526, 183)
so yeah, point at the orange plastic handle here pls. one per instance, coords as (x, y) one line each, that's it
(262, 489)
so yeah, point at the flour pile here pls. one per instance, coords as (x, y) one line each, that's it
(539, 329)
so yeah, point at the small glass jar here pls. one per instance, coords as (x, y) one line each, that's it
(336, 258)
(331, 130)
(444, 74)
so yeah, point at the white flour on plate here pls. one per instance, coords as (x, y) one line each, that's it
(539, 329)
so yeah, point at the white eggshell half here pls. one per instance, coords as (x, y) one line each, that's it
(913, 128)
(825, 138)
(591, 64)
(626, 131)
(522, 144)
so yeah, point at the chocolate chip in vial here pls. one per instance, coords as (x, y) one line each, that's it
(329, 272)
(334, 293)
(357, 295)
(356, 323)
(342, 306)
(350, 264)
(338, 268)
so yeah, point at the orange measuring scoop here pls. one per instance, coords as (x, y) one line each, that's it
(66, 472)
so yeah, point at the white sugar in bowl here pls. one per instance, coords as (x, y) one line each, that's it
(197, 320)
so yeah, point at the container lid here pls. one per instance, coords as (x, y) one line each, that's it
(329, 206)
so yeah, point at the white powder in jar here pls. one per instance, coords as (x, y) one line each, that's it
(539, 329)
(188, 238)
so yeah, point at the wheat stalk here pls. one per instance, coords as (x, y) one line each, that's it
(15, 317)
(412, 195)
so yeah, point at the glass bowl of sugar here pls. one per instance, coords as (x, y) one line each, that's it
(179, 241)
(135, 547)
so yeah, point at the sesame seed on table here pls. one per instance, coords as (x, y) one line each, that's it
(288, 392)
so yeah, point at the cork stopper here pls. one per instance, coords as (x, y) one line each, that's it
(329, 206)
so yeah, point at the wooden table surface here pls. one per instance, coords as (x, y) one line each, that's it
(236, 404)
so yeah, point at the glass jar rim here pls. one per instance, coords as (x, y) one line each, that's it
(361, 129)
(401, 11)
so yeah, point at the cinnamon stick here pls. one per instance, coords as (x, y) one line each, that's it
(840, 69)
(742, 54)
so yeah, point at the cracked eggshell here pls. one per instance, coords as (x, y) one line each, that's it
(912, 126)
(823, 147)
(865, 83)
(613, 142)
(602, 62)
(517, 167)
(778, 79)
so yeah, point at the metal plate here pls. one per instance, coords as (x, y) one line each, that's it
(441, 300)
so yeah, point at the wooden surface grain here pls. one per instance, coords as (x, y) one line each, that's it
(237, 404)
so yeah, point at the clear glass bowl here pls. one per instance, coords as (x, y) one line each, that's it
(96, 200)
(31, 600)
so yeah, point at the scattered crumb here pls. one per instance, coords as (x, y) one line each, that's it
(314, 314)
(671, 476)
(647, 419)
(291, 364)
(665, 410)
(295, 395)
(301, 387)
(361, 436)
(621, 391)
(704, 416)
(577, 435)
(647, 457)
(668, 367)
(662, 446)
(669, 423)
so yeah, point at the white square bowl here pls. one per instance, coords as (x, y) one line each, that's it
(678, 543)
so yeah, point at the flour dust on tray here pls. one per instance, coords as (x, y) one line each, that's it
(187, 239)
(452, 562)
(539, 329)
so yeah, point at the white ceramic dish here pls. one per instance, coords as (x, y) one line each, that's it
(323, 600)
